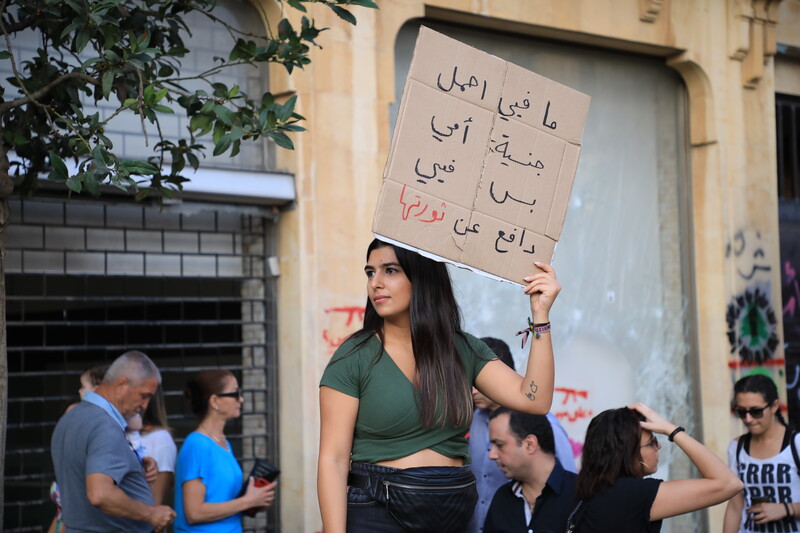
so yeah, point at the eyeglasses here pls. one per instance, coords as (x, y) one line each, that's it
(235, 394)
(755, 412)
(653, 443)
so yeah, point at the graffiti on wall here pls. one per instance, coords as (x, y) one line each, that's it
(752, 326)
(342, 321)
(750, 316)
(574, 406)
(747, 249)
(752, 321)
(790, 291)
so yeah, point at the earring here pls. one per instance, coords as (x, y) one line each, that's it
(216, 407)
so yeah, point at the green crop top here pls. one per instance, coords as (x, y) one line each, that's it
(388, 424)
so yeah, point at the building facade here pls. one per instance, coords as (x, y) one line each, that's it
(670, 258)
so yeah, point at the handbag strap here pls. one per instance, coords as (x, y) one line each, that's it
(575, 517)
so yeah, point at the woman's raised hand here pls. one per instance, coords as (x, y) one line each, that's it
(655, 422)
(543, 289)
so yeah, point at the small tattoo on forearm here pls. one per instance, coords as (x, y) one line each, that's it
(532, 394)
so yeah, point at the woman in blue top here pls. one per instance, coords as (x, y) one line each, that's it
(396, 399)
(208, 478)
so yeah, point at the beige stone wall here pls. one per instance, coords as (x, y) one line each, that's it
(722, 48)
(787, 66)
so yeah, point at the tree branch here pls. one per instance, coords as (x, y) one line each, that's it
(20, 25)
(34, 96)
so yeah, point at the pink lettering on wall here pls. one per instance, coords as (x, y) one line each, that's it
(342, 322)
(572, 398)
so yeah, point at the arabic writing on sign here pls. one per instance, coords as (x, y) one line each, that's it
(444, 167)
(507, 196)
(472, 81)
(501, 236)
(553, 124)
(452, 129)
(420, 209)
(503, 149)
(513, 108)
(473, 229)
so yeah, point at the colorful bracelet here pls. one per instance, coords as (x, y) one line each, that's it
(536, 329)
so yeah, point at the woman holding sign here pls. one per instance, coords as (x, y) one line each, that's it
(395, 399)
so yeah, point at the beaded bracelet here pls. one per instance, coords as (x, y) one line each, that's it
(536, 329)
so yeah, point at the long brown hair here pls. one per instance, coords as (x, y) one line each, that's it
(612, 450)
(444, 392)
(155, 416)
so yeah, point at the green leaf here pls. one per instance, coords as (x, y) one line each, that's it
(193, 161)
(281, 140)
(344, 14)
(81, 40)
(224, 114)
(163, 109)
(222, 145)
(58, 165)
(201, 123)
(92, 183)
(297, 5)
(69, 30)
(135, 166)
(236, 134)
(75, 184)
(178, 164)
(287, 109)
(219, 131)
(101, 157)
(108, 81)
(89, 62)
(4, 54)
(285, 29)
(364, 3)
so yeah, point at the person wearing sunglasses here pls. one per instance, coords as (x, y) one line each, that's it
(766, 459)
(208, 478)
(620, 449)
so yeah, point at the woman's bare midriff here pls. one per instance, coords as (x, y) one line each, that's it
(426, 457)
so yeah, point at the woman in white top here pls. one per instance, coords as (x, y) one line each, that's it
(156, 441)
(765, 460)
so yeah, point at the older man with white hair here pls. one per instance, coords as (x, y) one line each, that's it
(102, 478)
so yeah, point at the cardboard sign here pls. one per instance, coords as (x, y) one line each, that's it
(482, 160)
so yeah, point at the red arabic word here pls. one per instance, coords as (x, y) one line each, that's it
(434, 215)
(574, 416)
(572, 394)
(354, 313)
